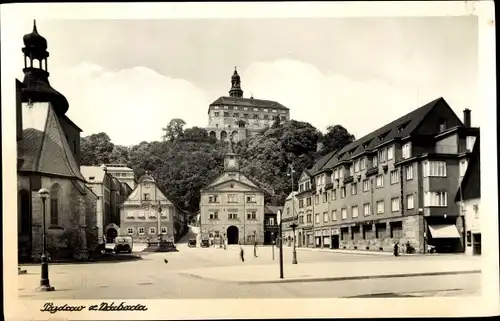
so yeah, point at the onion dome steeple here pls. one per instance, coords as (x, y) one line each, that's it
(36, 86)
(235, 85)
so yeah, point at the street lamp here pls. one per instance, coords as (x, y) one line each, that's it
(159, 222)
(294, 224)
(44, 280)
(278, 216)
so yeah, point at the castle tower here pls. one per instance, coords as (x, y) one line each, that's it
(235, 85)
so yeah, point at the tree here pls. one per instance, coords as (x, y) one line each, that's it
(96, 149)
(195, 134)
(174, 129)
(336, 137)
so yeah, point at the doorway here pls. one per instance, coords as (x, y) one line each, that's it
(335, 242)
(232, 235)
(111, 234)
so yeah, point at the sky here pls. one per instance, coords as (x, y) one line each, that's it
(128, 78)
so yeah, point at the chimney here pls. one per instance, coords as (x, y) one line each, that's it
(467, 117)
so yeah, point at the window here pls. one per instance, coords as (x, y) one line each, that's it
(362, 163)
(351, 171)
(301, 203)
(356, 166)
(325, 217)
(334, 215)
(379, 181)
(394, 177)
(366, 209)
(226, 114)
(232, 198)
(396, 229)
(130, 230)
(140, 230)
(252, 215)
(152, 230)
(434, 169)
(146, 197)
(469, 143)
(354, 188)
(325, 197)
(354, 211)
(216, 114)
(343, 212)
(382, 155)
(334, 194)
(250, 198)
(375, 161)
(316, 218)
(163, 230)
(232, 216)
(213, 199)
(366, 185)
(316, 199)
(307, 185)
(395, 204)
(463, 167)
(255, 116)
(390, 153)
(301, 188)
(308, 201)
(435, 199)
(380, 207)
(409, 172)
(342, 192)
(54, 211)
(406, 150)
(214, 215)
(301, 219)
(336, 174)
(409, 201)
(309, 218)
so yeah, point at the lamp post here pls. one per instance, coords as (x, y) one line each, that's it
(281, 243)
(273, 241)
(159, 222)
(44, 278)
(294, 224)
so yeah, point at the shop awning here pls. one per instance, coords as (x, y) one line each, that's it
(444, 231)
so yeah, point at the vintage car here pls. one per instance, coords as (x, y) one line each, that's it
(205, 243)
(192, 242)
(123, 244)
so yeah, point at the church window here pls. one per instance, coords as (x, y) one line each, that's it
(55, 192)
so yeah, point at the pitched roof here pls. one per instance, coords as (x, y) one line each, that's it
(398, 128)
(271, 209)
(248, 102)
(43, 147)
(470, 186)
(321, 163)
(93, 174)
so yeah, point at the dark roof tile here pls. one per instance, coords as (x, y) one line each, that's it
(248, 102)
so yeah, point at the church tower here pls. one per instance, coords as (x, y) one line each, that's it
(36, 87)
(235, 85)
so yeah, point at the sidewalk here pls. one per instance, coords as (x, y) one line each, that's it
(336, 271)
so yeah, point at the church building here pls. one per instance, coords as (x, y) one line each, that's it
(232, 206)
(48, 157)
(238, 118)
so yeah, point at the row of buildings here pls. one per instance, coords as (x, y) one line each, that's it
(414, 180)
(85, 205)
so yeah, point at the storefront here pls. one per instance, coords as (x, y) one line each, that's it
(326, 238)
(317, 238)
(335, 238)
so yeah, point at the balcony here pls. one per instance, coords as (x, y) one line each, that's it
(372, 171)
(348, 179)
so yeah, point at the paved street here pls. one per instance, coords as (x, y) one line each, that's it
(183, 276)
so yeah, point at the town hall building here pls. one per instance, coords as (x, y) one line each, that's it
(232, 206)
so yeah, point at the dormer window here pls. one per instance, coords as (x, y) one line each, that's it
(383, 136)
(403, 126)
(91, 178)
(442, 125)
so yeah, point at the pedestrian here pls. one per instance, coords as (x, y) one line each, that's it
(242, 254)
(396, 248)
(255, 249)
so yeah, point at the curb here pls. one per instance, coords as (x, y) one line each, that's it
(341, 278)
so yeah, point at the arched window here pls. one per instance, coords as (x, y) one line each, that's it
(55, 194)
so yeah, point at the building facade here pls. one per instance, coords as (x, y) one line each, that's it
(271, 227)
(123, 173)
(232, 207)
(289, 216)
(48, 157)
(238, 118)
(396, 184)
(469, 199)
(147, 213)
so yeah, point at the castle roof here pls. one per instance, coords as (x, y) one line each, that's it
(248, 102)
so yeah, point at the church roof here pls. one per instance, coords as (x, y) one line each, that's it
(43, 148)
(248, 102)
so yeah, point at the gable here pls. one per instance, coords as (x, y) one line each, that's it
(232, 186)
(155, 193)
(304, 177)
(231, 176)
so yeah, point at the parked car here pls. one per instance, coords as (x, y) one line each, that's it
(192, 242)
(123, 244)
(205, 243)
